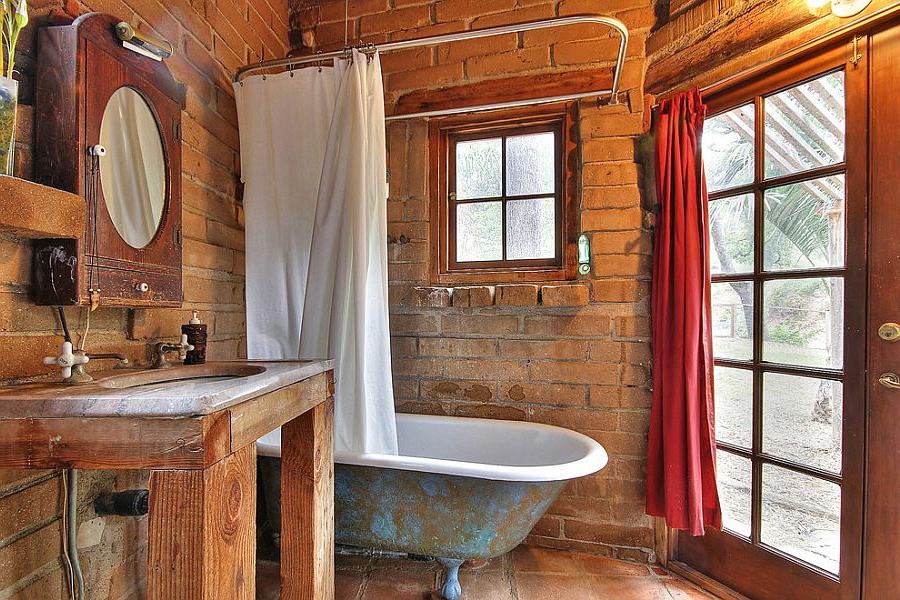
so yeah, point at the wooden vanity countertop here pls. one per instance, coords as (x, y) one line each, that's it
(120, 421)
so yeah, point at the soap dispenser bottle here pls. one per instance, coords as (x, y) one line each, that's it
(196, 336)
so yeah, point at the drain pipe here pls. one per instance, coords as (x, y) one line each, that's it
(70, 518)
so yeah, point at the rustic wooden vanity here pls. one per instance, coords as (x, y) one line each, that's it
(195, 429)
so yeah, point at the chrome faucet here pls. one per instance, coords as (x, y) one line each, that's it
(72, 362)
(160, 349)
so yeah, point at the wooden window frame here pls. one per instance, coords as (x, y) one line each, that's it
(444, 134)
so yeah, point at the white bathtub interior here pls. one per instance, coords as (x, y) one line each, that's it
(485, 448)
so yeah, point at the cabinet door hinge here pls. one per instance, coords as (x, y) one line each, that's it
(176, 131)
(178, 237)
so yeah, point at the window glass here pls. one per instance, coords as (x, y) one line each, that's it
(728, 149)
(805, 126)
(479, 169)
(731, 234)
(734, 478)
(531, 164)
(732, 306)
(803, 322)
(531, 228)
(734, 406)
(802, 420)
(804, 224)
(478, 231)
(801, 516)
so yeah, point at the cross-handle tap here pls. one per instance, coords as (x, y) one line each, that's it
(72, 363)
(67, 359)
(163, 348)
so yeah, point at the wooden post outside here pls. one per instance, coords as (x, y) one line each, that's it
(307, 506)
(203, 531)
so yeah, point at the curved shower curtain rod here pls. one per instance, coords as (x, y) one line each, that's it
(613, 93)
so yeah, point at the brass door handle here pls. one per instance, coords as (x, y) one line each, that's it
(890, 381)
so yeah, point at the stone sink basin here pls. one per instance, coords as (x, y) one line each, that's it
(178, 391)
(206, 373)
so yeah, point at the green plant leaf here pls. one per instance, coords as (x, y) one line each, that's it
(21, 18)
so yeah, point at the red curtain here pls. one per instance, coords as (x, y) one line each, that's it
(681, 467)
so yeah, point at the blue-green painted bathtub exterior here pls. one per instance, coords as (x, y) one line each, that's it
(429, 514)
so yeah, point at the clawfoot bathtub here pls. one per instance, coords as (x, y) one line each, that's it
(460, 489)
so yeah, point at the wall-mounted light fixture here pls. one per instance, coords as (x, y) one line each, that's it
(840, 8)
(143, 44)
(848, 8)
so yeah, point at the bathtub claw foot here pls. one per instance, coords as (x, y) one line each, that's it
(451, 590)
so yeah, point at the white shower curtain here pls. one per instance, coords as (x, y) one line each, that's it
(313, 164)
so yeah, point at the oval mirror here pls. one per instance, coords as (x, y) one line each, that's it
(133, 172)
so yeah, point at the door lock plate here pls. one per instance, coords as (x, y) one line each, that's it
(889, 332)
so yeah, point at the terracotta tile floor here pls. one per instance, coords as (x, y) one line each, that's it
(524, 574)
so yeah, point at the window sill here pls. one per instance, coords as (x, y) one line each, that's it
(522, 276)
(501, 295)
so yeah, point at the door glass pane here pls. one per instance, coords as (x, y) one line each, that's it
(531, 164)
(732, 309)
(479, 231)
(479, 169)
(728, 148)
(801, 516)
(734, 477)
(734, 406)
(803, 322)
(804, 224)
(802, 420)
(805, 126)
(531, 228)
(731, 235)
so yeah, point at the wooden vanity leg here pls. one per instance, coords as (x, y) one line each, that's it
(307, 506)
(203, 531)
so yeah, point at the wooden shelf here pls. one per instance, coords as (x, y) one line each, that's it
(31, 210)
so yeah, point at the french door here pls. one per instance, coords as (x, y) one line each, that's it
(786, 166)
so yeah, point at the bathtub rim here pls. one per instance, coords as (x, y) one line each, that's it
(593, 459)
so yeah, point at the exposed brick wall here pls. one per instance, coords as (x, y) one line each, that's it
(574, 354)
(212, 39)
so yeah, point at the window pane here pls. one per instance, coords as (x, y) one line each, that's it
(801, 515)
(531, 164)
(732, 310)
(804, 224)
(531, 229)
(479, 228)
(802, 419)
(734, 406)
(479, 169)
(731, 234)
(734, 477)
(728, 149)
(803, 322)
(805, 126)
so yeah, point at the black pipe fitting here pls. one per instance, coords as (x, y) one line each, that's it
(130, 503)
